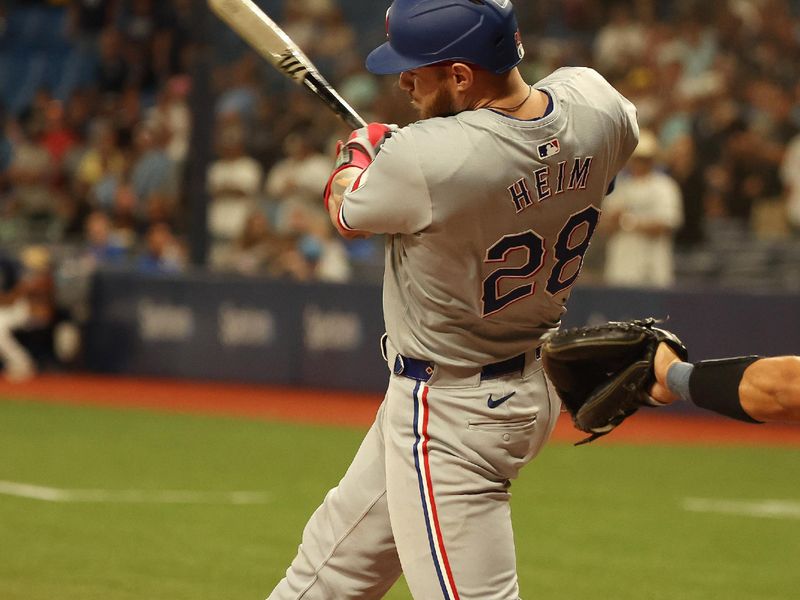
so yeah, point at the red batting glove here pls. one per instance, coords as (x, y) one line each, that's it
(371, 138)
(359, 151)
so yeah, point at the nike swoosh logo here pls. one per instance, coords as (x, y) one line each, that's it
(499, 401)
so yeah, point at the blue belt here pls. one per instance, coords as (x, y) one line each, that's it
(422, 370)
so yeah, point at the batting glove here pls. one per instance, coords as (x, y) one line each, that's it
(359, 150)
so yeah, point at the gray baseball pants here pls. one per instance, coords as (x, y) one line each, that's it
(427, 493)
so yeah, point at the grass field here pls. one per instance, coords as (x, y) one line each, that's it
(601, 522)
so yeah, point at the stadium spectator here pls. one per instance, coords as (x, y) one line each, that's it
(619, 43)
(240, 90)
(234, 182)
(358, 86)
(300, 113)
(300, 23)
(684, 166)
(126, 220)
(153, 172)
(171, 112)
(103, 159)
(335, 45)
(257, 250)
(160, 208)
(757, 151)
(162, 252)
(113, 71)
(29, 304)
(139, 22)
(126, 113)
(790, 174)
(298, 179)
(269, 131)
(319, 254)
(34, 115)
(79, 111)
(641, 216)
(175, 40)
(58, 138)
(31, 176)
(102, 247)
(298, 262)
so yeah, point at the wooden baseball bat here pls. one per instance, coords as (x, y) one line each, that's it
(271, 42)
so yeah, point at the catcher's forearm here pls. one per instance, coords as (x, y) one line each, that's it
(770, 389)
(713, 385)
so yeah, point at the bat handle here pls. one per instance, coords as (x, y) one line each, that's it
(338, 104)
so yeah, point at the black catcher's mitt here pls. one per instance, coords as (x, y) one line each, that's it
(603, 374)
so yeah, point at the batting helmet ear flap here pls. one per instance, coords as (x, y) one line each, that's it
(426, 32)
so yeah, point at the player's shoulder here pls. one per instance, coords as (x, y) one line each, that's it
(426, 134)
(589, 98)
(575, 76)
(583, 80)
(409, 149)
(431, 126)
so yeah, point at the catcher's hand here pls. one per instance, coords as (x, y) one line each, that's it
(603, 374)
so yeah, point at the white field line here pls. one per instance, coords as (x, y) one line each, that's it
(765, 509)
(50, 494)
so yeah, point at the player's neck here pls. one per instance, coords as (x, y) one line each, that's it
(514, 97)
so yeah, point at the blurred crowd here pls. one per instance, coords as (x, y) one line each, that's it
(98, 177)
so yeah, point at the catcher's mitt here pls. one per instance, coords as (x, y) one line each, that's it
(603, 374)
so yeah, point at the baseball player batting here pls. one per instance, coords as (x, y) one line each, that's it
(489, 203)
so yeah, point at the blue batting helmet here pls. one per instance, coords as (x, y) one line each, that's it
(425, 32)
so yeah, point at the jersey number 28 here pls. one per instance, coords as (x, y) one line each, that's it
(566, 250)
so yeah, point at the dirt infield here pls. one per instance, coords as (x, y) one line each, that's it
(356, 410)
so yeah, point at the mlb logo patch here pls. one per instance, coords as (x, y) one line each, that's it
(549, 149)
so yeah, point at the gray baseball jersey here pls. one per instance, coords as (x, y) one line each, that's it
(490, 218)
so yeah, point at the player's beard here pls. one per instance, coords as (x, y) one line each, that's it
(441, 105)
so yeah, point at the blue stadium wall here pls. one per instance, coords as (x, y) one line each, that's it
(327, 336)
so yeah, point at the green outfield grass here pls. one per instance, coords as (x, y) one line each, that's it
(598, 522)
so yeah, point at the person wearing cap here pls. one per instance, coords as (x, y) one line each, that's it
(489, 203)
(641, 218)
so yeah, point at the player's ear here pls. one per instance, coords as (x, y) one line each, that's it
(463, 76)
